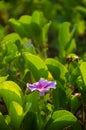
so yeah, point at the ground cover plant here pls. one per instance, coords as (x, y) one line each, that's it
(42, 65)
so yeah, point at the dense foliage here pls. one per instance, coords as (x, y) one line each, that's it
(43, 39)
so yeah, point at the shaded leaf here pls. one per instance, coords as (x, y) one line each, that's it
(56, 68)
(75, 104)
(62, 119)
(30, 121)
(3, 125)
(59, 97)
(33, 99)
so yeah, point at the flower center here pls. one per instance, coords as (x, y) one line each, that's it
(41, 86)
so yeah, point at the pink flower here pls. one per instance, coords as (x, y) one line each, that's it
(42, 86)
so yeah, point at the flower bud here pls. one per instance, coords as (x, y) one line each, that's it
(69, 59)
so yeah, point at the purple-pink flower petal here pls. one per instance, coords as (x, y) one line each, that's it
(42, 86)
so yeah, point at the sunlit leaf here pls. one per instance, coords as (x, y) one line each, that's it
(4, 78)
(83, 71)
(38, 18)
(36, 66)
(18, 27)
(10, 91)
(12, 39)
(25, 19)
(16, 114)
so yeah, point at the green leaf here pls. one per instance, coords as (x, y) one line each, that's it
(4, 78)
(59, 97)
(32, 99)
(71, 47)
(32, 26)
(75, 103)
(18, 27)
(81, 9)
(81, 27)
(82, 88)
(45, 32)
(19, 63)
(16, 114)
(25, 20)
(64, 36)
(57, 69)
(2, 32)
(29, 47)
(36, 33)
(83, 71)
(10, 91)
(36, 66)
(11, 52)
(12, 40)
(66, 43)
(30, 121)
(10, 45)
(3, 125)
(13, 37)
(38, 18)
(81, 81)
(62, 119)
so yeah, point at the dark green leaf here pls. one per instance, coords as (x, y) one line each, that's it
(75, 104)
(3, 125)
(63, 119)
(30, 121)
(57, 70)
(59, 97)
(33, 99)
